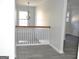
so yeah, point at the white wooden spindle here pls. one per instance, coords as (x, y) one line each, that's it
(31, 35)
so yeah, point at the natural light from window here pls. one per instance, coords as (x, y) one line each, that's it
(23, 18)
(67, 18)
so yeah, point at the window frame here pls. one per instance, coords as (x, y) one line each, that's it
(22, 20)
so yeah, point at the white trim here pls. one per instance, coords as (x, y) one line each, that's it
(60, 52)
(29, 44)
(42, 42)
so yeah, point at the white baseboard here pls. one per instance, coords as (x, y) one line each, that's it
(60, 52)
(42, 42)
(29, 44)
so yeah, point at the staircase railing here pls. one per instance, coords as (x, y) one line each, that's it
(31, 34)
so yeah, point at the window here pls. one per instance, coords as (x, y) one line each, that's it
(23, 23)
(67, 18)
(23, 18)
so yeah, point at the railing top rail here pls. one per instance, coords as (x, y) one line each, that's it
(33, 27)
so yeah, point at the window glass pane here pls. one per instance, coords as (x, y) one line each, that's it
(23, 18)
(68, 14)
(23, 15)
(23, 22)
(67, 19)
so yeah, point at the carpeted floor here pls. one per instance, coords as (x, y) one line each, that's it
(47, 52)
(4, 57)
(40, 52)
(71, 44)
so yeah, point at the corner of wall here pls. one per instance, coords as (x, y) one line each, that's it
(57, 50)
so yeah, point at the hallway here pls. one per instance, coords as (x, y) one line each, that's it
(42, 35)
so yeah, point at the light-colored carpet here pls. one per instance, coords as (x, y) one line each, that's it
(40, 52)
(47, 52)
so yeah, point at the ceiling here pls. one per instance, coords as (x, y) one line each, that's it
(32, 2)
(73, 3)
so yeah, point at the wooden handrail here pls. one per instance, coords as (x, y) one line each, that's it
(32, 26)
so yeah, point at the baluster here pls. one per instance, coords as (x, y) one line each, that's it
(31, 35)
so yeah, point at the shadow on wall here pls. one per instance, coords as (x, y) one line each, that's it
(75, 26)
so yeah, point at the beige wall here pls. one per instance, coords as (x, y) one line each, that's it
(54, 12)
(42, 15)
